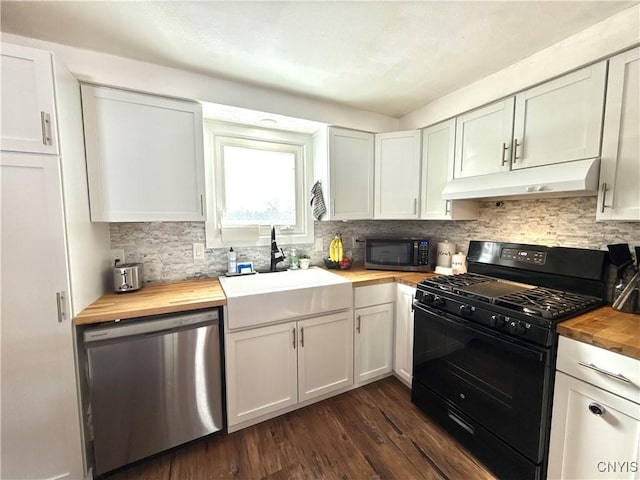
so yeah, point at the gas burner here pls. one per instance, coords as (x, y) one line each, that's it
(547, 303)
(455, 282)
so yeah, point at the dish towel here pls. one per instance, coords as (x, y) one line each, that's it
(317, 201)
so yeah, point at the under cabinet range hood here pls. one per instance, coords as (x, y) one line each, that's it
(569, 179)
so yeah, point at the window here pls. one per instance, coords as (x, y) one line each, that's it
(256, 178)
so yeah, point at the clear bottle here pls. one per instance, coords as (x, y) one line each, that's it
(231, 261)
(293, 260)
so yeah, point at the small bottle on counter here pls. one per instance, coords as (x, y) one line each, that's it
(293, 260)
(231, 261)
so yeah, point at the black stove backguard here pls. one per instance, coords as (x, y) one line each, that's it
(485, 348)
(571, 269)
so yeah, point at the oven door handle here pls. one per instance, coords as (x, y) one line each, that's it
(506, 341)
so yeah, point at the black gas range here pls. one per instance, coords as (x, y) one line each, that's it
(485, 347)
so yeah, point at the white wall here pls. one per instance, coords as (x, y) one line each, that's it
(95, 67)
(617, 33)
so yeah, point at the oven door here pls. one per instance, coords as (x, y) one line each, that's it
(495, 380)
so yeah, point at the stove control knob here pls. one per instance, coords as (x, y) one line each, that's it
(466, 310)
(438, 301)
(516, 328)
(497, 321)
(428, 298)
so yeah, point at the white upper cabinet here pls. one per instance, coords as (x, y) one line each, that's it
(28, 102)
(561, 120)
(619, 195)
(483, 139)
(558, 121)
(397, 175)
(145, 157)
(438, 148)
(343, 162)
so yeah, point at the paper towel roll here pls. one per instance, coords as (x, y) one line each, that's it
(445, 250)
(459, 263)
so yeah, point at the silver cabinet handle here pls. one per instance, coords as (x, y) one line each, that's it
(617, 376)
(505, 147)
(515, 149)
(294, 338)
(202, 204)
(333, 206)
(358, 323)
(603, 187)
(302, 336)
(45, 123)
(60, 304)
(447, 207)
(415, 205)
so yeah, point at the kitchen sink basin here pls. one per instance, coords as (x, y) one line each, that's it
(264, 298)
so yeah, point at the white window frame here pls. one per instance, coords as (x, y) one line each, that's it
(216, 136)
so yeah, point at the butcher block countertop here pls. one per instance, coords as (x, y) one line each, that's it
(154, 299)
(606, 328)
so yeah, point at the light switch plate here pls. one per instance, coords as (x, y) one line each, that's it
(318, 245)
(198, 251)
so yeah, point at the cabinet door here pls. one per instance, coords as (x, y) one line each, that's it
(560, 120)
(594, 434)
(619, 196)
(483, 140)
(325, 355)
(403, 362)
(144, 156)
(40, 415)
(438, 152)
(28, 106)
(397, 175)
(261, 372)
(350, 174)
(373, 342)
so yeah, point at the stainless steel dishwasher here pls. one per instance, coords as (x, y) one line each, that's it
(154, 383)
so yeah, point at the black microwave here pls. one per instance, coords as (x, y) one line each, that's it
(404, 254)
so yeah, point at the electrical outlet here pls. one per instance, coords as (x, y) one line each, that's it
(198, 251)
(353, 243)
(318, 245)
(117, 254)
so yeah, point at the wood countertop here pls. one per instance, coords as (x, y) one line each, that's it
(606, 328)
(171, 297)
(154, 299)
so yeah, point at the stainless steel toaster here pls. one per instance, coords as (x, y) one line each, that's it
(127, 277)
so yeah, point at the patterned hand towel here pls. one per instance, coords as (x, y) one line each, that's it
(317, 201)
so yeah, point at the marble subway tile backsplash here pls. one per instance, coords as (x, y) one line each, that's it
(165, 248)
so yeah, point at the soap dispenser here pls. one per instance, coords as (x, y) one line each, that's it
(293, 260)
(231, 261)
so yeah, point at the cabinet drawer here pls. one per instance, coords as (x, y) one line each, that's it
(608, 370)
(374, 294)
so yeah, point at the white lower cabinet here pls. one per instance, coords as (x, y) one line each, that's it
(262, 372)
(403, 362)
(595, 426)
(373, 342)
(271, 369)
(325, 354)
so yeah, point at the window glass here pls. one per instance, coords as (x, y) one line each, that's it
(259, 186)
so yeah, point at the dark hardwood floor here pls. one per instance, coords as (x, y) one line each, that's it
(373, 432)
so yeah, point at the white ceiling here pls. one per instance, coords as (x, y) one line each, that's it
(385, 57)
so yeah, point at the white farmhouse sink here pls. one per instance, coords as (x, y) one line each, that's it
(269, 297)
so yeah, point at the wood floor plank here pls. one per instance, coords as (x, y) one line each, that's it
(373, 432)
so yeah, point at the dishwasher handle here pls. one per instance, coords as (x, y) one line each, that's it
(149, 325)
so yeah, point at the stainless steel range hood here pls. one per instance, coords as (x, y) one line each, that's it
(569, 179)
